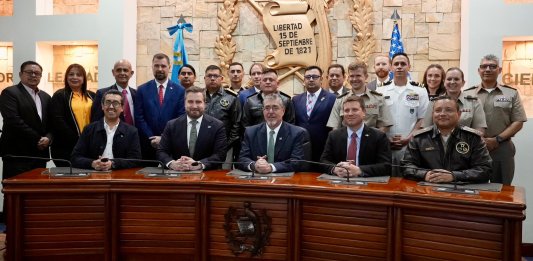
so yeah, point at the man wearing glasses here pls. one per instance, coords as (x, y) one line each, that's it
(108, 138)
(252, 113)
(505, 116)
(26, 129)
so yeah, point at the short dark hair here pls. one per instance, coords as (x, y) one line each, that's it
(358, 65)
(313, 67)
(256, 64)
(336, 65)
(160, 56)
(113, 92)
(236, 63)
(195, 89)
(446, 97)
(26, 63)
(213, 67)
(401, 54)
(270, 70)
(188, 66)
(355, 98)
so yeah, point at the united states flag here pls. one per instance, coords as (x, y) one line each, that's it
(396, 44)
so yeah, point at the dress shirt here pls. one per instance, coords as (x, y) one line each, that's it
(315, 98)
(157, 84)
(35, 96)
(81, 107)
(276, 131)
(108, 151)
(359, 133)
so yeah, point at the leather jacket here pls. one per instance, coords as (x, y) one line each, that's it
(225, 106)
(253, 109)
(466, 155)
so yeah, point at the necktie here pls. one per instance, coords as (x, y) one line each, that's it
(270, 148)
(161, 96)
(352, 149)
(127, 112)
(193, 137)
(310, 103)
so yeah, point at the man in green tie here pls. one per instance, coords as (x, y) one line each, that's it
(270, 146)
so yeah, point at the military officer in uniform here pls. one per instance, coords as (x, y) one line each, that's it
(472, 114)
(447, 152)
(253, 107)
(407, 103)
(377, 114)
(505, 116)
(224, 105)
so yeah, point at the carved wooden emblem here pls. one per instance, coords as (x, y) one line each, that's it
(247, 230)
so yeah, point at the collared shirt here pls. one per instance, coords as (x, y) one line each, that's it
(189, 126)
(81, 107)
(130, 99)
(159, 84)
(359, 133)
(108, 151)
(314, 99)
(257, 89)
(35, 96)
(276, 131)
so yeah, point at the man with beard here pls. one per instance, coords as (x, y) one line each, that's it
(407, 104)
(336, 77)
(377, 115)
(236, 74)
(505, 116)
(108, 138)
(157, 102)
(447, 152)
(268, 147)
(252, 113)
(382, 64)
(122, 72)
(187, 76)
(194, 137)
(256, 73)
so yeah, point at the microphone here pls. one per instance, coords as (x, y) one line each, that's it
(347, 182)
(252, 168)
(58, 173)
(438, 186)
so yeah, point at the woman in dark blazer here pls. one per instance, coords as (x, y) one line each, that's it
(70, 112)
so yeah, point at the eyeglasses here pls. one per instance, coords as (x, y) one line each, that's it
(33, 73)
(115, 104)
(212, 76)
(314, 77)
(488, 66)
(273, 108)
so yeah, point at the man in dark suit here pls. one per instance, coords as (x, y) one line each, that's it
(256, 73)
(103, 142)
(268, 147)
(122, 72)
(26, 130)
(312, 109)
(194, 137)
(157, 102)
(361, 150)
(336, 77)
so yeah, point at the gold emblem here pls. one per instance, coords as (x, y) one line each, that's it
(224, 103)
(462, 147)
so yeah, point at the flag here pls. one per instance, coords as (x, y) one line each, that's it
(180, 54)
(396, 43)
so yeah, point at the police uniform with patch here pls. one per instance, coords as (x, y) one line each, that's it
(377, 114)
(407, 105)
(225, 106)
(502, 107)
(463, 152)
(472, 114)
(252, 112)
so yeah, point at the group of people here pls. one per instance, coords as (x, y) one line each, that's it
(388, 126)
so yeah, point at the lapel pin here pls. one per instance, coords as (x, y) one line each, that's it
(322, 98)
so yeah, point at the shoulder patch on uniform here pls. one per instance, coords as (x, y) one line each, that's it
(387, 83)
(507, 86)
(471, 88)
(470, 97)
(376, 93)
(284, 94)
(423, 130)
(342, 95)
(231, 92)
(472, 130)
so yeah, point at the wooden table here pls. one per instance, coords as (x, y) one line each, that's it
(125, 216)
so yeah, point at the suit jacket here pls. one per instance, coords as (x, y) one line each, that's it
(92, 142)
(342, 91)
(289, 146)
(211, 144)
(150, 117)
(372, 85)
(22, 127)
(315, 124)
(374, 151)
(96, 110)
(243, 95)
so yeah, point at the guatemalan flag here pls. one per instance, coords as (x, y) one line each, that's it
(180, 54)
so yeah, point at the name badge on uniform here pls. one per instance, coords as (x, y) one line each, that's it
(462, 147)
(412, 100)
(502, 102)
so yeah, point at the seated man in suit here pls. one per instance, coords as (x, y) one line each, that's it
(193, 137)
(447, 152)
(269, 147)
(361, 150)
(108, 138)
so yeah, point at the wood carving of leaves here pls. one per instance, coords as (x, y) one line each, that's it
(225, 47)
(361, 18)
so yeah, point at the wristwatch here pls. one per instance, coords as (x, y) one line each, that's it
(499, 139)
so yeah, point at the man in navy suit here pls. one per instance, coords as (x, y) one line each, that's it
(194, 137)
(122, 72)
(312, 109)
(268, 147)
(363, 151)
(256, 72)
(157, 102)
